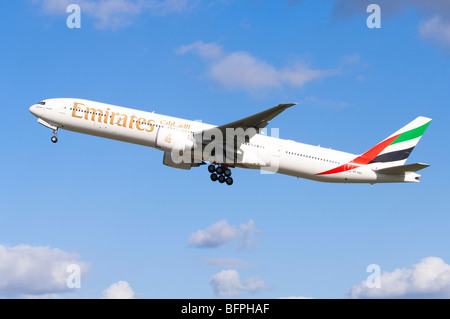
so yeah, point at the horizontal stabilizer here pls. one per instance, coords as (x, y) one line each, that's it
(402, 169)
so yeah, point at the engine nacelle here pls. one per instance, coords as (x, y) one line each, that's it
(171, 139)
(180, 162)
(168, 161)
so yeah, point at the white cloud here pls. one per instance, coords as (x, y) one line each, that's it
(32, 271)
(226, 262)
(41, 296)
(119, 290)
(348, 7)
(53, 6)
(435, 28)
(221, 233)
(430, 278)
(206, 50)
(227, 283)
(437, 31)
(113, 14)
(242, 71)
(170, 6)
(324, 103)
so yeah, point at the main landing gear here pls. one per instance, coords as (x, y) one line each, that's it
(54, 138)
(221, 174)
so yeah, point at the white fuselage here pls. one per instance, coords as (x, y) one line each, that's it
(155, 130)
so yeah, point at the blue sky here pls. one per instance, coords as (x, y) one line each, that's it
(139, 229)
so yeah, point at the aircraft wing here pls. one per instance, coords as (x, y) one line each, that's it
(255, 122)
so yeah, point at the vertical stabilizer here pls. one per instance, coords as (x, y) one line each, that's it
(402, 143)
(395, 149)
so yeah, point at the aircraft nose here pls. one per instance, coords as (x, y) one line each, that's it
(34, 110)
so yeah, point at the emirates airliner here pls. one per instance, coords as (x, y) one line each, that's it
(243, 143)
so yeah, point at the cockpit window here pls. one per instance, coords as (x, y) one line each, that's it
(42, 103)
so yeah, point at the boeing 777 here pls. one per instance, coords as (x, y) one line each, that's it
(242, 143)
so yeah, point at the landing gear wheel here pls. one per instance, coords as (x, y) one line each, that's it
(220, 173)
(211, 168)
(54, 139)
(220, 170)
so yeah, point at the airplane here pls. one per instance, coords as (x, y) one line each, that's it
(243, 143)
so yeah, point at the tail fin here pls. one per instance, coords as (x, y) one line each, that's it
(395, 150)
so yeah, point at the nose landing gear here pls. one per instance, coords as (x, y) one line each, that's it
(54, 139)
(221, 174)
